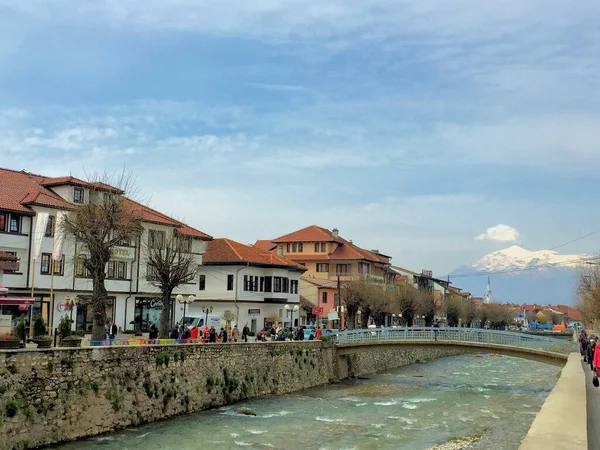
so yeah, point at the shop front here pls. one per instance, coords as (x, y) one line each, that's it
(84, 319)
(11, 310)
(147, 311)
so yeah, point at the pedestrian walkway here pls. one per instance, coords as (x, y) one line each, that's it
(593, 410)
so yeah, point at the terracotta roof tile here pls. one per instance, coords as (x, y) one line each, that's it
(19, 190)
(264, 244)
(226, 250)
(312, 233)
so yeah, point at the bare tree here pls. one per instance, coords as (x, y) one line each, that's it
(589, 295)
(170, 264)
(405, 298)
(355, 295)
(453, 309)
(228, 316)
(426, 306)
(98, 225)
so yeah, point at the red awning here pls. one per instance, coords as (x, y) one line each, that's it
(16, 301)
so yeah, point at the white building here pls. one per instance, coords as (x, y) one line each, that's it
(253, 283)
(29, 207)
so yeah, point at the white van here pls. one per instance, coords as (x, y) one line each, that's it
(198, 321)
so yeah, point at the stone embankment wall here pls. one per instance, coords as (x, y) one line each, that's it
(362, 360)
(49, 396)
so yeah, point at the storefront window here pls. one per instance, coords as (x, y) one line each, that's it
(85, 318)
(147, 311)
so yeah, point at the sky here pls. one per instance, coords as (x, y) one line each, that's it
(435, 130)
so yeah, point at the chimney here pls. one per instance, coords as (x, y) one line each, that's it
(375, 251)
(350, 241)
(335, 233)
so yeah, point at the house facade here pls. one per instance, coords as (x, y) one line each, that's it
(254, 284)
(49, 267)
(326, 255)
(321, 294)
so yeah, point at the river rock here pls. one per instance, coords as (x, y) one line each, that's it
(245, 411)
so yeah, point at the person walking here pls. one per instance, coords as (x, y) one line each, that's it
(212, 335)
(185, 333)
(235, 333)
(318, 333)
(112, 330)
(153, 335)
(591, 350)
(245, 332)
(194, 333)
(223, 335)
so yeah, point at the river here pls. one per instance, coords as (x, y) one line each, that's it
(415, 407)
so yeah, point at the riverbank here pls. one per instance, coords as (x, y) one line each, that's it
(50, 396)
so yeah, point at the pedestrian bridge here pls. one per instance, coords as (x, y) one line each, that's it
(538, 348)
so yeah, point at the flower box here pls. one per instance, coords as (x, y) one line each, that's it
(9, 343)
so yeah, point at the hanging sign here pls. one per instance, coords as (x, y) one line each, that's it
(317, 311)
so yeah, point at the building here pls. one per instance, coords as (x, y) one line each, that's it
(30, 206)
(326, 255)
(255, 284)
(320, 294)
(423, 281)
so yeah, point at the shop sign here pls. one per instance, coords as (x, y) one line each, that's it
(23, 307)
(254, 312)
(5, 323)
(317, 311)
(62, 307)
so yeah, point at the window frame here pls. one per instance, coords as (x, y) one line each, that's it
(45, 263)
(202, 282)
(4, 221)
(18, 220)
(317, 247)
(277, 284)
(269, 284)
(230, 282)
(121, 270)
(78, 195)
(324, 298)
(49, 232)
(321, 265)
(323, 247)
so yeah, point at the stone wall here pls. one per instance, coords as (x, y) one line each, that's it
(362, 360)
(64, 394)
(49, 396)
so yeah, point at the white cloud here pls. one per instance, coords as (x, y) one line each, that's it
(502, 233)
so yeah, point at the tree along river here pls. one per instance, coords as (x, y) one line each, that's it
(415, 407)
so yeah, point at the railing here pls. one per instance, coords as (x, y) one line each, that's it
(477, 335)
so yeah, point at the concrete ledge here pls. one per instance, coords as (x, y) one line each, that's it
(562, 421)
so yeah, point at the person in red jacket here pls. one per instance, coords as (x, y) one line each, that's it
(194, 333)
(318, 333)
(596, 362)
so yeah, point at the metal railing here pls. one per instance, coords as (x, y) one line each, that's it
(476, 335)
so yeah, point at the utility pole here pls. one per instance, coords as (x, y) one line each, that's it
(339, 299)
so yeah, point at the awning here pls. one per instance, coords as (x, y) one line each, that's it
(16, 301)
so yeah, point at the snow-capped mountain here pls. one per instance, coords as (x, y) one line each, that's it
(523, 276)
(517, 258)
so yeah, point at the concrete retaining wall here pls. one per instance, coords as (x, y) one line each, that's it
(562, 421)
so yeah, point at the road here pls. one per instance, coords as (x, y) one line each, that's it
(593, 410)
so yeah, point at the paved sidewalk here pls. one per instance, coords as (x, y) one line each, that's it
(593, 410)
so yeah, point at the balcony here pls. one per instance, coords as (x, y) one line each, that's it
(348, 276)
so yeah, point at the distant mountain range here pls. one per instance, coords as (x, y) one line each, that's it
(518, 275)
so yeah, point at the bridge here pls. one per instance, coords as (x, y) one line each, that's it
(538, 348)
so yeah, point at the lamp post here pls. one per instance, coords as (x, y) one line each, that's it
(181, 300)
(400, 318)
(291, 310)
(207, 309)
(358, 313)
(393, 319)
(423, 317)
(70, 303)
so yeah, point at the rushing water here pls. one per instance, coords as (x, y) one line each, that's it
(414, 407)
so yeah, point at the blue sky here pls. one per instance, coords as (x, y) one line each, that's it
(412, 126)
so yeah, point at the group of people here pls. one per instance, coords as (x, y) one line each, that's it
(587, 348)
(283, 334)
(183, 332)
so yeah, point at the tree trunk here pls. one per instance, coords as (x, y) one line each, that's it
(165, 316)
(99, 296)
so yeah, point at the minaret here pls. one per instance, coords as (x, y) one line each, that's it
(488, 292)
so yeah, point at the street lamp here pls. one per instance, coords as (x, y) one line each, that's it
(359, 312)
(423, 317)
(393, 319)
(207, 309)
(400, 318)
(291, 310)
(181, 300)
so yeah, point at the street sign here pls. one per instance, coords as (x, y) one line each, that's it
(317, 311)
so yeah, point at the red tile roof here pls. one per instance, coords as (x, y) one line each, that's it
(312, 233)
(21, 190)
(225, 250)
(264, 244)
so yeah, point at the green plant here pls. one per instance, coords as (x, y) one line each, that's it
(39, 327)
(251, 333)
(162, 358)
(112, 396)
(138, 334)
(20, 330)
(128, 332)
(325, 338)
(11, 408)
(64, 328)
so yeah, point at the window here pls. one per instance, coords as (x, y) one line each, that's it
(316, 247)
(363, 268)
(285, 285)
(3, 220)
(156, 239)
(230, 282)
(276, 284)
(294, 287)
(262, 284)
(45, 268)
(151, 273)
(324, 297)
(268, 284)
(202, 283)
(322, 267)
(78, 194)
(80, 269)
(294, 247)
(187, 245)
(287, 248)
(14, 224)
(255, 284)
(300, 247)
(342, 269)
(49, 227)
(121, 270)
(124, 242)
(110, 270)
(7, 271)
(324, 247)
